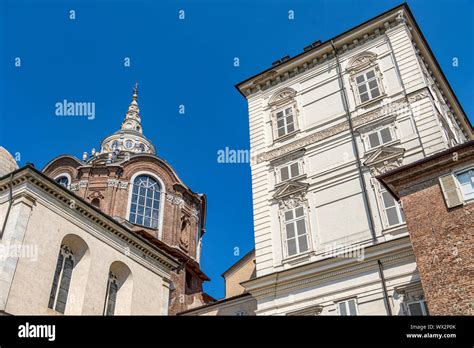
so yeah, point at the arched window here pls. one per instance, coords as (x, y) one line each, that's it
(61, 280)
(118, 295)
(111, 296)
(145, 204)
(96, 202)
(63, 181)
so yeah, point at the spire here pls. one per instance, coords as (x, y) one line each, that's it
(130, 137)
(132, 119)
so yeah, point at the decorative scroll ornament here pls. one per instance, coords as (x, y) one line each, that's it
(117, 183)
(292, 201)
(174, 199)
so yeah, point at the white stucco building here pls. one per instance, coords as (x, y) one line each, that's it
(323, 125)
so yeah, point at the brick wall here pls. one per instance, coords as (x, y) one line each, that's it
(443, 243)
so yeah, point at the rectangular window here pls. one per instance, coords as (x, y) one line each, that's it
(289, 171)
(285, 122)
(367, 86)
(347, 307)
(380, 137)
(417, 308)
(466, 184)
(296, 238)
(393, 210)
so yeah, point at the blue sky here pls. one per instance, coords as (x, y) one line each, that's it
(177, 62)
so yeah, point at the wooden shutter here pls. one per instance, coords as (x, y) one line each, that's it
(451, 193)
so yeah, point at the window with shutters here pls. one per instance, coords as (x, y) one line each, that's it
(466, 184)
(111, 294)
(380, 137)
(295, 231)
(451, 188)
(392, 209)
(289, 171)
(61, 280)
(347, 307)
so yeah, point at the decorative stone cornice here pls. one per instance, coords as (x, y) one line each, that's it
(117, 183)
(418, 95)
(273, 77)
(80, 184)
(331, 131)
(298, 283)
(105, 223)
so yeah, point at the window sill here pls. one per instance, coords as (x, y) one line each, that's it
(296, 259)
(374, 149)
(371, 101)
(286, 136)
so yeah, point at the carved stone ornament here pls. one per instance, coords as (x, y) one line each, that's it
(282, 97)
(361, 61)
(418, 95)
(384, 160)
(292, 201)
(117, 183)
(184, 234)
(175, 199)
(331, 131)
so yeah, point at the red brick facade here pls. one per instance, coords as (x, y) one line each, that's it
(442, 237)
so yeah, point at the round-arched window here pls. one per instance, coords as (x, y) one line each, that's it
(145, 204)
(63, 181)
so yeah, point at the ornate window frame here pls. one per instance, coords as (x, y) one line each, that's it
(162, 198)
(361, 64)
(289, 197)
(278, 168)
(280, 101)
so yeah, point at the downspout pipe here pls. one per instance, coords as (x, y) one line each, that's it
(10, 203)
(354, 144)
(384, 287)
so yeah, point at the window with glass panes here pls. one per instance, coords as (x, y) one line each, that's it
(63, 181)
(289, 171)
(347, 307)
(296, 231)
(145, 205)
(380, 137)
(417, 308)
(466, 183)
(393, 210)
(111, 294)
(285, 122)
(61, 280)
(367, 86)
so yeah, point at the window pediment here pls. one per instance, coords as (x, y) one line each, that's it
(291, 188)
(361, 61)
(282, 97)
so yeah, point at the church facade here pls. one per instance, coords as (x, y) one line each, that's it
(117, 232)
(329, 238)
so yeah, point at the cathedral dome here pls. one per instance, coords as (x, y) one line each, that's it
(7, 162)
